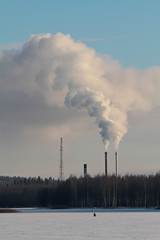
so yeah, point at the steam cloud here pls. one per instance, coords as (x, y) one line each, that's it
(65, 71)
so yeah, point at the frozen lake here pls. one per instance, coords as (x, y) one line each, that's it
(80, 225)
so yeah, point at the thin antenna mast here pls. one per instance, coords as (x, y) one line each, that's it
(61, 173)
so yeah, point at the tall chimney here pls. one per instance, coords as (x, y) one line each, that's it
(61, 173)
(85, 170)
(105, 163)
(116, 163)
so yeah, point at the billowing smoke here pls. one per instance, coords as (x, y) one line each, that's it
(64, 71)
(106, 115)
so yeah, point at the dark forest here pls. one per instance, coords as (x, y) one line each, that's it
(135, 191)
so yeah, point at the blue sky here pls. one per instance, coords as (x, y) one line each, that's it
(126, 30)
(132, 26)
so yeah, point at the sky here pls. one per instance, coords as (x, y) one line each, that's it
(112, 58)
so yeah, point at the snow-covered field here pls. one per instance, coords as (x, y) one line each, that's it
(34, 224)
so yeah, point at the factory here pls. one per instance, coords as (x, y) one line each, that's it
(61, 168)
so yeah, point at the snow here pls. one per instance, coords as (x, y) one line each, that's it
(45, 224)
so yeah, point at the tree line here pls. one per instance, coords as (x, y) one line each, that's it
(136, 191)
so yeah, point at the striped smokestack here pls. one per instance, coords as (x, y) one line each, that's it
(105, 163)
(116, 163)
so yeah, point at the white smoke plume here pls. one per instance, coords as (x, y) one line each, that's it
(99, 107)
(64, 71)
